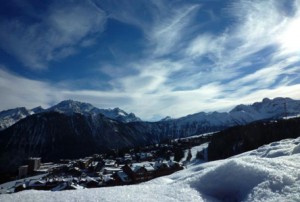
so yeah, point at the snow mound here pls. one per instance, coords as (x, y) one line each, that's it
(236, 179)
(269, 173)
(229, 181)
(277, 149)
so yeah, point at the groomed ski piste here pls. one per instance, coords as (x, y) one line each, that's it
(269, 173)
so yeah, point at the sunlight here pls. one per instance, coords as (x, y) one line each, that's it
(289, 38)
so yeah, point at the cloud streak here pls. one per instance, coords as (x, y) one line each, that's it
(53, 36)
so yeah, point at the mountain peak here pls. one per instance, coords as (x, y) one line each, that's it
(167, 118)
(38, 109)
(71, 106)
(266, 100)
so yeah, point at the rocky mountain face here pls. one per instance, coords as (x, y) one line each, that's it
(72, 129)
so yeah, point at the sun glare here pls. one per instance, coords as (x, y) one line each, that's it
(289, 39)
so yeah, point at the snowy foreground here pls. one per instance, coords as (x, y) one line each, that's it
(270, 173)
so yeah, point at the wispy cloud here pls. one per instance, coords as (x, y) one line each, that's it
(211, 71)
(53, 36)
(168, 34)
(231, 62)
(183, 68)
(163, 23)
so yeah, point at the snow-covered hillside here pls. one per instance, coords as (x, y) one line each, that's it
(269, 173)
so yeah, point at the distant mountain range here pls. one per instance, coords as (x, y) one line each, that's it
(11, 116)
(73, 129)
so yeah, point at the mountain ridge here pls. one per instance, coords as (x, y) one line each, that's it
(8, 117)
(86, 133)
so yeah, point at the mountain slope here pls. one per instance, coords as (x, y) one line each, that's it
(240, 139)
(54, 135)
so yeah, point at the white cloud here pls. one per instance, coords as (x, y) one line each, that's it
(201, 45)
(54, 36)
(236, 73)
(19, 91)
(254, 29)
(289, 37)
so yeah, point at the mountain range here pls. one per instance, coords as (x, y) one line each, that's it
(73, 129)
(11, 116)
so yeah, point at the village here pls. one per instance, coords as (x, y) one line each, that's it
(114, 168)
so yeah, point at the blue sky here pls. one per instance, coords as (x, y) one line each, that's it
(154, 58)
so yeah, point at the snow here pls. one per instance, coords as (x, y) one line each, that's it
(146, 165)
(269, 173)
(70, 107)
(9, 186)
(240, 115)
(195, 150)
(292, 117)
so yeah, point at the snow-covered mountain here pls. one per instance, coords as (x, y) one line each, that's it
(70, 106)
(10, 117)
(242, 114)
(276, 108)
(269, 173)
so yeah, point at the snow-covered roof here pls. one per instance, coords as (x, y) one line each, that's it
(136, 166)
(112, 169)
(110, 162)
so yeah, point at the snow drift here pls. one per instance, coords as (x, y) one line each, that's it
(269, 173)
